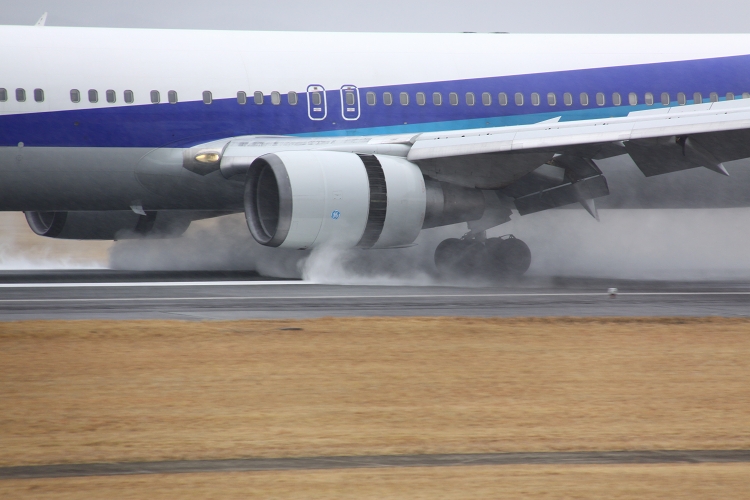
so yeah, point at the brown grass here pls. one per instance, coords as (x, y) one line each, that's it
(84, 391)
(634, 482)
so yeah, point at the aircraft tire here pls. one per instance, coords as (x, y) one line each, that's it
(507, 256)
(459, 257)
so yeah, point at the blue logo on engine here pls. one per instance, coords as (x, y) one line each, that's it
(335, 214)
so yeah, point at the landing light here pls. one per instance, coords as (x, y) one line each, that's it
(211, 157)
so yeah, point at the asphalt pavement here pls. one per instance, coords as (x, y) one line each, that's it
(239, 295)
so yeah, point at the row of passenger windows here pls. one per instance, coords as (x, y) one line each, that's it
(536, 99)
(155, 96)
(403, 98)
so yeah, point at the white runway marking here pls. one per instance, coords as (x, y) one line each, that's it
(339, 297)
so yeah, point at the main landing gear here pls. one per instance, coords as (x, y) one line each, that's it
(493, 258)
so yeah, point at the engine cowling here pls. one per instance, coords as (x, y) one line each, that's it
(301, 199)
(107, 225)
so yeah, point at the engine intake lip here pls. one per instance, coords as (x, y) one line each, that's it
(268, 200)
(48, 224)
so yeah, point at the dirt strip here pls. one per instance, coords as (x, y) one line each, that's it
(581, 482)
(362, 462)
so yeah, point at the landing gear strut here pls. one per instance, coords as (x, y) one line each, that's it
(503, 257)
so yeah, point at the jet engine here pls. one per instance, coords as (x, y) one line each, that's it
(301, 199)
(107, 225)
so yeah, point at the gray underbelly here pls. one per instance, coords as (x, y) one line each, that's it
(107, 179)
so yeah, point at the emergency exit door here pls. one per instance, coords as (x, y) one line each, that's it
(349, 102)
(317, 108)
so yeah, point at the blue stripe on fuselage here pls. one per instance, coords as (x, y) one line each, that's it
(189, 123)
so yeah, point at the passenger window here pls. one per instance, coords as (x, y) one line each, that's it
(600, 99)
(584, 99)
(275, 98)
(697, 98)
(746, 95)
(616, 99)
(551, 99)
(93, 95)
(502, 99)
(681, 99)
(403, 98)
(155, 97)
(421, 99)
(371, 98)
(111, 96)
(387, 98)
(39, 95)
(291, 98)
(172, 97)
(535, 99)
(349, 98)
(258, 98)
(665, 99)
(519, 99)
(208, 97)
(713, 97)
(241, 98)
(3, 95)
(20, 95)
(568, 99)
(128, 94)
(437, 98)
(486, 98)
(453, 99)
(649, 98)
(632, 99)
(470, 100)
(730, 96)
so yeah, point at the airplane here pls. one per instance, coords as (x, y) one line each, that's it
(361, 140)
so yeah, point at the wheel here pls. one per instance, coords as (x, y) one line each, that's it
(507, 256)
(459, 257)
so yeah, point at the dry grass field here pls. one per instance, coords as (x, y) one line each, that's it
(83, 391)
(93, 391)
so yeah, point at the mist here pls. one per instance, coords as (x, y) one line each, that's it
(626, 244)
(225, 244)
(684, 244)
(222, 244)
(21, 249)
(14, 261)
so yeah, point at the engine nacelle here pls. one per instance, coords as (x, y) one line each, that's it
(107, 225)
(301, 199)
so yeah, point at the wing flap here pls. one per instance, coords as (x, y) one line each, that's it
(566, 194)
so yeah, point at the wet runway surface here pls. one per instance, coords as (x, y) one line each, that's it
(380, 461)
(232, 295)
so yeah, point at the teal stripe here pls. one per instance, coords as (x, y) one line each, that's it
(500, 121)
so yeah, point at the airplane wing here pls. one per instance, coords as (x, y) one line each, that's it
(659, 141)
(649, 124)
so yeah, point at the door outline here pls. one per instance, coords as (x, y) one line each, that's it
(348, 113)
(316, 113)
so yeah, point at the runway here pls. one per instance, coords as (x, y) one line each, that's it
(359, 462)
(242, 295)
